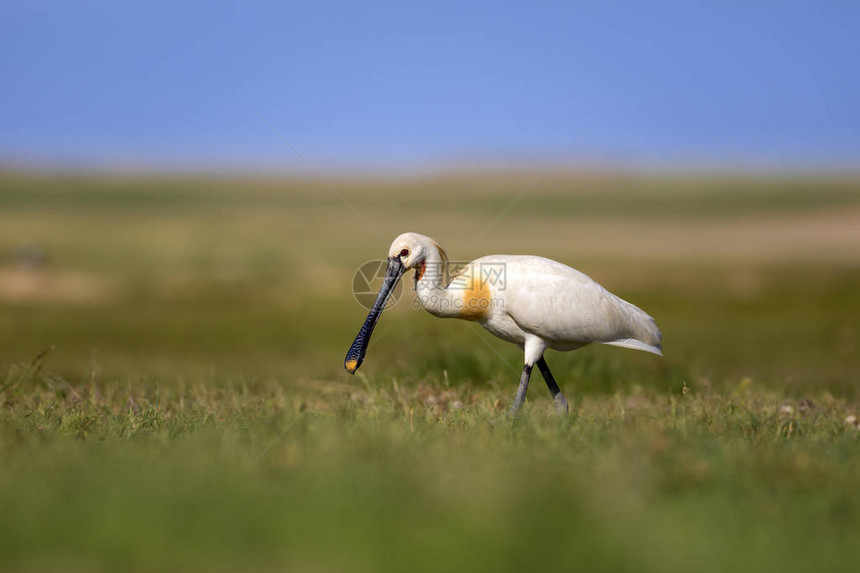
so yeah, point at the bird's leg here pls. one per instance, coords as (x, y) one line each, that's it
(521, 391)
(561, 406)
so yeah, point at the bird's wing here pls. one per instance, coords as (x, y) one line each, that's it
(561, 304)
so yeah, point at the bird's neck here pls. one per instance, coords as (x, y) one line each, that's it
(431, 280)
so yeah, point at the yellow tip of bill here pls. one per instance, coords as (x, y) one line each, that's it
(351, 365)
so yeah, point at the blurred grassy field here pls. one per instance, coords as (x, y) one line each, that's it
(174, 397)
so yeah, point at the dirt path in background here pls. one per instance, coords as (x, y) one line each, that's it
(663, 250)
(831, 237)
(45, 285)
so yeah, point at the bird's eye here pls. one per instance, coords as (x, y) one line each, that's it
(404, 253)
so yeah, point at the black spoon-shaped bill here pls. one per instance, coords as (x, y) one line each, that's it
(355, 355)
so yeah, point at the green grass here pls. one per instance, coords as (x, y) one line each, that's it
(173, 396)
(368, 477)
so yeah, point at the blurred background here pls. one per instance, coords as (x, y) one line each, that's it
(382, 87)
(187, 189)
(186, 192)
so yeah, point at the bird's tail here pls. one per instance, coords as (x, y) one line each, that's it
(643, 333)
(637, 345)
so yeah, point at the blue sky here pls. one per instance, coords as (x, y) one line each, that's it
(379, 85)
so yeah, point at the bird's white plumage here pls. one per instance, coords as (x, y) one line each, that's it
(536, 297)
(562, 306)
(534, 302)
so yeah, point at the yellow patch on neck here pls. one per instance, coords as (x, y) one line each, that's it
(476, 296)
(351, 365)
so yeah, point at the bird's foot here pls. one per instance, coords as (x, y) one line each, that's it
(561, 407)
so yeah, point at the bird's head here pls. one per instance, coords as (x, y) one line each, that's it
(412, 249)
(408, 251)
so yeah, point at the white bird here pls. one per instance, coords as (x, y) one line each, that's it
(533, 302)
